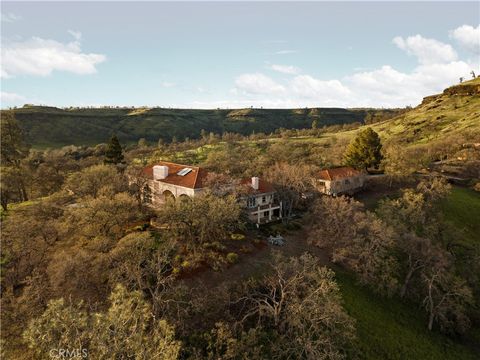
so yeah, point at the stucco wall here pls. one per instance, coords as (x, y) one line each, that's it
(346, 185)
(158, 188)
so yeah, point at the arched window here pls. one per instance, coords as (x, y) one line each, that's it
(168, 196)
(184, 198)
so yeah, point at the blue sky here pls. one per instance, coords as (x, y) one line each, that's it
(229, 54)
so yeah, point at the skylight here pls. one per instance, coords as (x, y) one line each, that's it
(184, 172)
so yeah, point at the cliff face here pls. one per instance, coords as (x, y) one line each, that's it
(465, 89)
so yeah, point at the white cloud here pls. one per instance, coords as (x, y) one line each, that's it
(381, 87)
(257, 83)
(468, 37)
(7, 97)
(285, 69)
(37, 56)
(307, 86)
(10, 17)
(285, 52)
(427, 51)
(167, 84)
(202, 90)
(76, 34)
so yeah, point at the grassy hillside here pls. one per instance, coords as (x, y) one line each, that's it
(462, 209)
(394, 330)
(455, 111)
(389, 328)
(448, 116)
(49, 126)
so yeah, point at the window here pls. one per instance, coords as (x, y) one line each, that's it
(347, 182)
(264, 199)
(321, 183)
(251, 202)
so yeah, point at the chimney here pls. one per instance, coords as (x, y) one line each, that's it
(160, 172)
(255, 182)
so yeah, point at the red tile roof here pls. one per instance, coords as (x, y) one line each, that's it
(194, 179)
(338, 173)
(263, 186)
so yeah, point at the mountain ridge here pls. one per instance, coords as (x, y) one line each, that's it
(52, 127)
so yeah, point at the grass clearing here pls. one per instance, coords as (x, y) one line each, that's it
(462, 209)
(389, 329)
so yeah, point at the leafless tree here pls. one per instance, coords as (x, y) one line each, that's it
(300, 301)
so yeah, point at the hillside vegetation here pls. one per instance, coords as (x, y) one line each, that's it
(54, 127)
(456, 111)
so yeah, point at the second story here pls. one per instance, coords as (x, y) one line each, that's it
(259, 193)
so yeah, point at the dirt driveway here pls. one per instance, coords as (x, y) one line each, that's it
(255, 263)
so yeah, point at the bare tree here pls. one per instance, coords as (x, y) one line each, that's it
(300, 301)
(357, 239)
(291, 183)
(446, 297)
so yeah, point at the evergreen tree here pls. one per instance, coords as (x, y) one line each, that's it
(364, 151)
(114, 152)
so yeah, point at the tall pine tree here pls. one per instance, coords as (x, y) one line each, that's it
(364, 151)
(114, 152)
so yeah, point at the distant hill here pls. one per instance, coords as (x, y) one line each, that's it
(53, 127)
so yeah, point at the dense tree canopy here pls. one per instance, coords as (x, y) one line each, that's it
(127, 330)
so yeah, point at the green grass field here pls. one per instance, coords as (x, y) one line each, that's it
(389, 329)
(462, 209)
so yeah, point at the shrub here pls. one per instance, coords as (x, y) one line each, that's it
(142, 227)
(477, 187)
(237, 236)
(245, 250)
(216, 245)
(232, 258)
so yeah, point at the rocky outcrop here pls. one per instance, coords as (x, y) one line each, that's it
(431, 98)
(463, 90)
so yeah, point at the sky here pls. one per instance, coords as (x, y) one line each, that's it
(235, 54)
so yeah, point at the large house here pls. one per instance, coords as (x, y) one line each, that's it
(338, 181)
(169, 180)
(261, 201)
